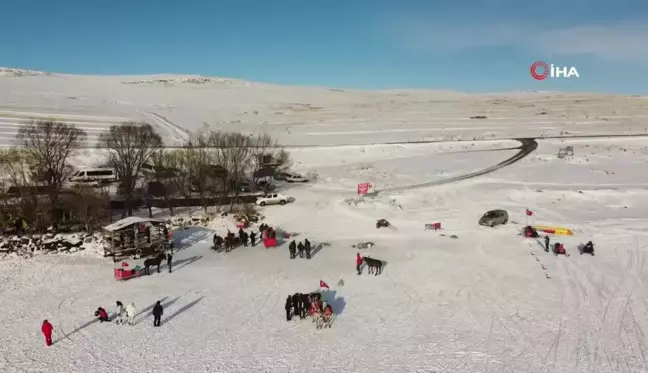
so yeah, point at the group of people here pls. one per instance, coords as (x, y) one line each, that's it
(230, 240)
(303, 248)
(302, 305)
(122, 316)
(559, 248)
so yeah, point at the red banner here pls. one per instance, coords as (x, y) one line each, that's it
(363, 188)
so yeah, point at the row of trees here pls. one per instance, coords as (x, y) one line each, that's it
(206, 166)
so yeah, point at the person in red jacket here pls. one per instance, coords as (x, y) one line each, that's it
(102, 314)
(47, 330)
(358, 263)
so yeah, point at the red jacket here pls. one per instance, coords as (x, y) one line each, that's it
(358, 259)
(102, 313)
(47, 328)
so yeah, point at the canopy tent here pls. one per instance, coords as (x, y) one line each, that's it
(131, 220)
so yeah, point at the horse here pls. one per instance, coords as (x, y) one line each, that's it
(154, 262)
(375, 265)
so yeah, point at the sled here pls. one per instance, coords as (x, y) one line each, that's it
(124, 274)
(560, 231)
(270, 242)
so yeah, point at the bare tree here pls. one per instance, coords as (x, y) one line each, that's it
(20, 191)
(266, 152)
(199, 158)
(131, 145)
(91, 204)
(49, 145)
(167, 180)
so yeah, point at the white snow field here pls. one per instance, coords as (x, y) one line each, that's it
(480, 302)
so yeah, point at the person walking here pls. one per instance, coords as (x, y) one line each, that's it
(158, 311)
(169, 259)
(47, 330)
(546, 242)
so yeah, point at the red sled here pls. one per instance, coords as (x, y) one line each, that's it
(124, 274)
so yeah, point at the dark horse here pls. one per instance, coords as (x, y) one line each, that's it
(153, 262)
(374, 265)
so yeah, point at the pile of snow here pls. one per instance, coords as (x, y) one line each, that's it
(198, 80)
(6, 71)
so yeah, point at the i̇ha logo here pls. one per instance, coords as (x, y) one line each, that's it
(541, 71)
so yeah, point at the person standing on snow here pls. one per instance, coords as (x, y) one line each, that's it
(47, 330)
(292, 247)
(158, 311)
(307, 247)
(131, 311)
(546, 242)
(300, 247)
(358, 263)
(169, 259)
(245, 238)
(252, 238)
(288, 307)
(119, 312)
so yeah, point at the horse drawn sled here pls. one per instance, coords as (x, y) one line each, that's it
(136, 237)
(320, 311)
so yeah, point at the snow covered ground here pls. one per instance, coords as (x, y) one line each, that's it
(479, 302)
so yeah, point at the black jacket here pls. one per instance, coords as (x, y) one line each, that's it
(307, 244)
(289, 302)
(158, 310)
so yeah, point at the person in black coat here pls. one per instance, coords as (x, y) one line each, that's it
(245, 238)
(546, 242)
(158, 311)
(292, 247)
(289, 305)
(241, 233)
(307, 247)
(295, 304)
(300, 247)
(252, 238)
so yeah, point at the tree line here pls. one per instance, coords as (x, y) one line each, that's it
(34, 172)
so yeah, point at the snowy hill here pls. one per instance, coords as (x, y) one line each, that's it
(308, 115)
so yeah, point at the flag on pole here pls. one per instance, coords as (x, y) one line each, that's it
(324, 284)
(529, 212)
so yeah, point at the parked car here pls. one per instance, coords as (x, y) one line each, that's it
(272, 199)
(296, 178)
(494, 217)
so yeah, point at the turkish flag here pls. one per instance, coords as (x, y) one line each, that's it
(529, 212)
(324, 284)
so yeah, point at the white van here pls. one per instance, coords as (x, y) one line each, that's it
(104, 175)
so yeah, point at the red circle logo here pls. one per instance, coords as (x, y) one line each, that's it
(544, 70)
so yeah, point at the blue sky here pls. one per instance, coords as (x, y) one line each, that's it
(467, 45)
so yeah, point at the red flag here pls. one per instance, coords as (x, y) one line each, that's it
(124, 264)
(324, 284)
(529, 212)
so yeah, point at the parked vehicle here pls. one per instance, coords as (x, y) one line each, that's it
(494, 217)
(272, 199)
(296, 178)
(290, 177)
(105, 175)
